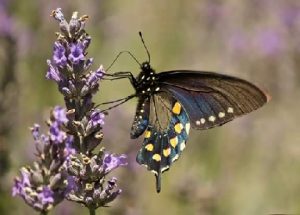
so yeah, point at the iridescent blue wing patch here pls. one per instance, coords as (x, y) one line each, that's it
(166, 135)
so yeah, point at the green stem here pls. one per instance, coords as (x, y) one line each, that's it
(44, 212)
(92, 211)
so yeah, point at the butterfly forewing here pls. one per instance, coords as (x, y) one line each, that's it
(212, 99)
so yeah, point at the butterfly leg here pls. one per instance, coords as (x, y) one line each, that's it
(122, 75)
(120, 101)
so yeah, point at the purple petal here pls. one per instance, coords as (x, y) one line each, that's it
(46, 196)
(57, 135)
(76, 53)
(35, 130)
(59, 114)
(112, 161)
(96, 118)
(59, 57)
(52, 73)
(95, 76)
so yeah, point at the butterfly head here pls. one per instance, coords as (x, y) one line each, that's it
(146, 67)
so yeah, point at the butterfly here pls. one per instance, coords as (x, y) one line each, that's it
(170, 103)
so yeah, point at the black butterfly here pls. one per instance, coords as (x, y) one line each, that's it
(171, 102)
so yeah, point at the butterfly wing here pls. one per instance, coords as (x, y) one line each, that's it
(211, 99)
(166, 135)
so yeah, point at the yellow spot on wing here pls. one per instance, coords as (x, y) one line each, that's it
(178, 127)
(147, 134)
(156, 157)
(174, 141)
(167, 152)
(176, 108)
(149, 147)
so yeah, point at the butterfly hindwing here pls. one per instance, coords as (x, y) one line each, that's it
(166, 135)
(212, 99)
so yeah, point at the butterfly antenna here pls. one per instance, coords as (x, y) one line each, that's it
(141, 36)
(158, 182)
(122, 52)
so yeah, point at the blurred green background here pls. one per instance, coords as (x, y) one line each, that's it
(249, 166)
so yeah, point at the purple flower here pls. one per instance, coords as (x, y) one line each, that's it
(86, 42)
(16, 189)
(95, 76)
(111, 161)
(96, 118)
(53, 73)
(56, 134)
(72, 185)
(35, 130)
(21, 183)
(58, 15)
(45, 139)
(59, 114)
(69, 149)
(76, 53)
(46, 196)
(59, 56)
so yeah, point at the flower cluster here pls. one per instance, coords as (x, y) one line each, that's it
(45, 184)
(81, 168)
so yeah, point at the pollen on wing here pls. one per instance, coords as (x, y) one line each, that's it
(176, 108)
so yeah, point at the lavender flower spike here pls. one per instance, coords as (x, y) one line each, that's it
(87, 170)
(67, 165)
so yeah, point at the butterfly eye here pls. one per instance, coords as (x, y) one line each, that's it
(145, 66)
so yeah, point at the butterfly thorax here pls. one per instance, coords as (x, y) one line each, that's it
(146, 82)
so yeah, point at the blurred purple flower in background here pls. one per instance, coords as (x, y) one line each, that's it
(290, 15)
(269, 42)
(42, 186)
